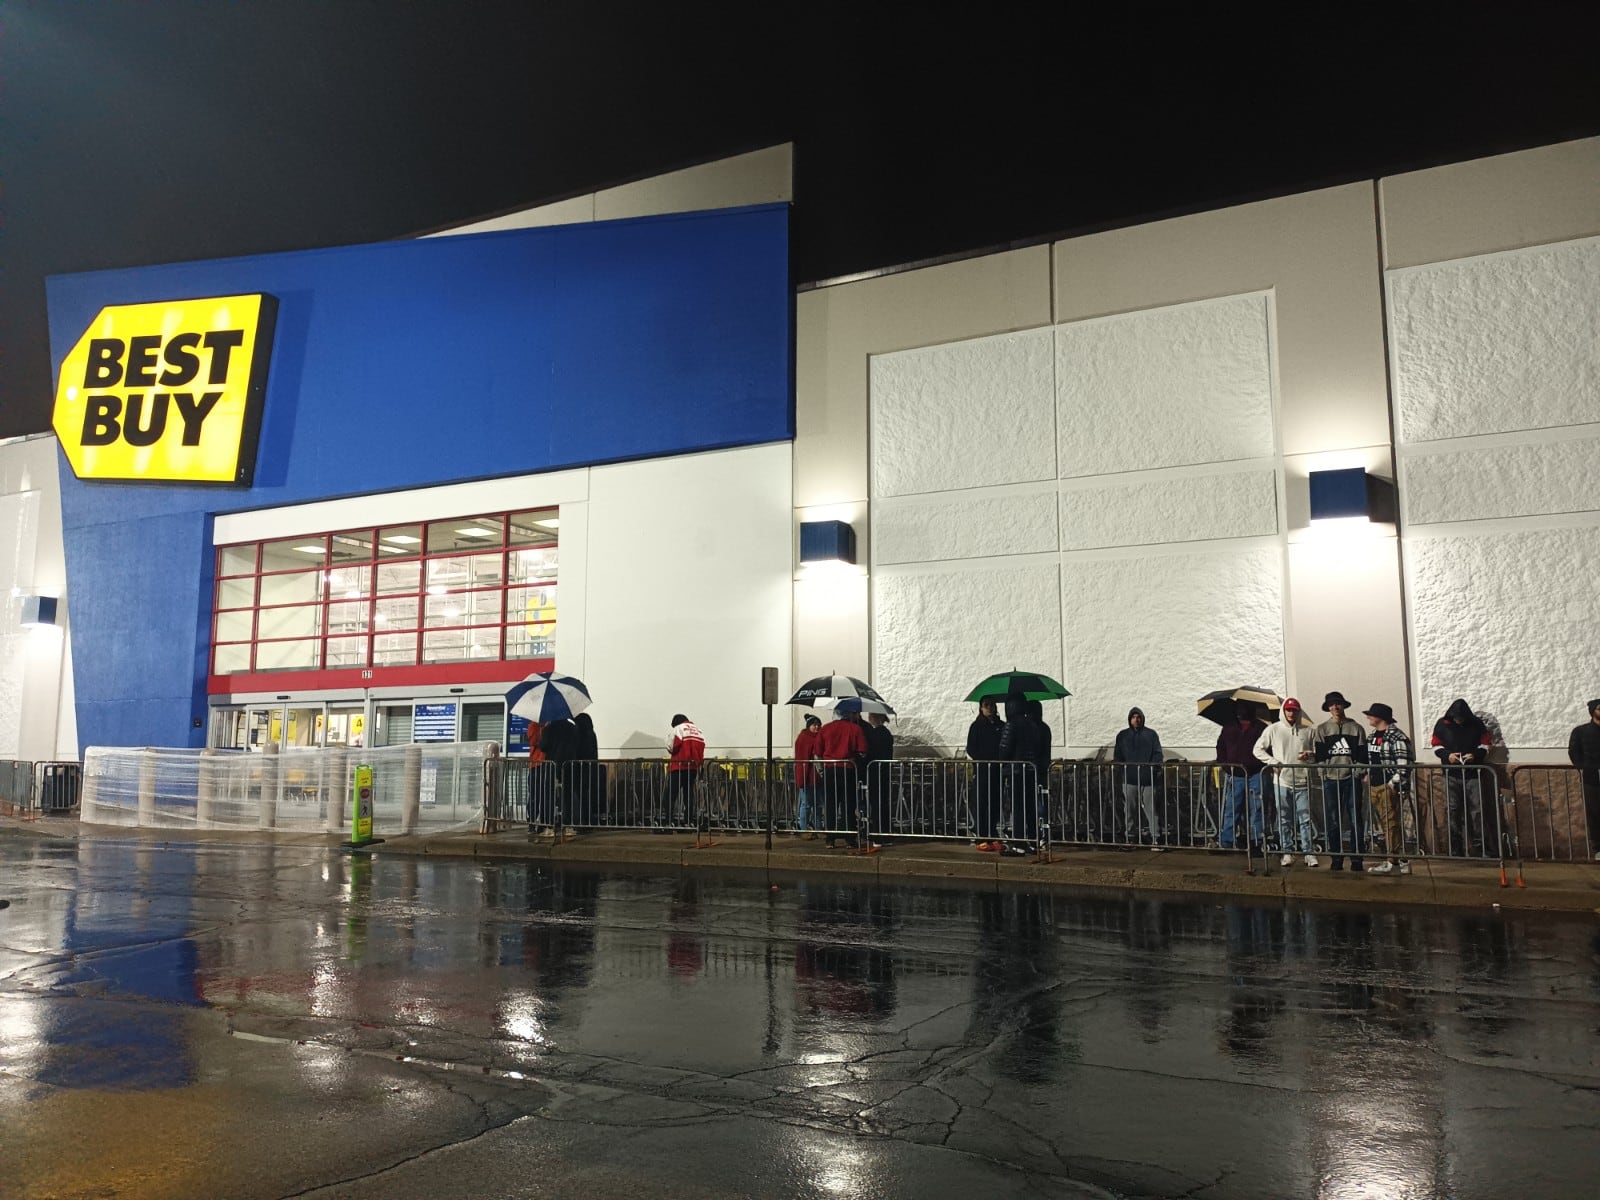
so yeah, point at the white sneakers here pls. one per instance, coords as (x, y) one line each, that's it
(1311, 860)
(1388, 868)
(1286, 860)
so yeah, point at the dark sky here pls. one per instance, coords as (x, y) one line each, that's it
(163, 130)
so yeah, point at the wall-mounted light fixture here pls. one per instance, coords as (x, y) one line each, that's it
(827, 541)
(1351, 494)
(39, 611)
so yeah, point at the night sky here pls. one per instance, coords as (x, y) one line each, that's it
(135, 133)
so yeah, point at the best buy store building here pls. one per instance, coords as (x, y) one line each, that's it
(349, 496)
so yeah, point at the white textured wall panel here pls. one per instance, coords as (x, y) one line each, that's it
(1508, 621)
(1505, 481)
(937, 634)
(1499, 343)
(1151, 511)
(19, 535)
(685, 602)
(968, 414)
(1191, 383)
(1160, 631)
(963, 525)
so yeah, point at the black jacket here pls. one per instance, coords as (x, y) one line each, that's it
(1460, 732)
(983, 738)
(559, 741)
(880, 743)
(1583, 748)
(1024, 738)
(586, 746)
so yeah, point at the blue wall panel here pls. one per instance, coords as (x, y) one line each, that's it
(407, 364)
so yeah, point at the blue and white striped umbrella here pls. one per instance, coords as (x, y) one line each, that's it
(545, 696)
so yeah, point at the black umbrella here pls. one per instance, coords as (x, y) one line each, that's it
(821, 691)
(1223, 705)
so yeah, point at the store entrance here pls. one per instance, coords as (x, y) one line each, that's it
(356, 721)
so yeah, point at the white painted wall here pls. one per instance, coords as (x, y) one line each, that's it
(36, 721)
(1497, 395)
(674, 588)
(1122, 574)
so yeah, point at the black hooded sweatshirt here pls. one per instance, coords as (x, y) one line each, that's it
(983, 738)
(1460, 732)
(586, 746)
(1023, 739)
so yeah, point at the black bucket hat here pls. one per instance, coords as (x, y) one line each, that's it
(1382, 711)
(1333, 698)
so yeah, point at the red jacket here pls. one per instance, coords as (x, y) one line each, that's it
(842, 739)
(806, 747)
(688, 747)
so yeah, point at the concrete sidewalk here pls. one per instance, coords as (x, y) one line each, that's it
(1553, 887)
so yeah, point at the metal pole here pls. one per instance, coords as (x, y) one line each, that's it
(769, 778)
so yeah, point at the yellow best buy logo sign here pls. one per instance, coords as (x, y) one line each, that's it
(167, 391)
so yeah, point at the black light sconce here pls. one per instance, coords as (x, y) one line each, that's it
(39, 611)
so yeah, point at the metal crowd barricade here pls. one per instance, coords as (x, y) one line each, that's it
(1146, 804)
(1551, 817)
(955, 799)
(17, 789)
(57, 786)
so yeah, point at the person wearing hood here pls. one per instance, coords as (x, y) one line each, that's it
(1583, 749)
(1022, 745)
(983, 748)
(880, 748)
(1462, 741)
(1138, 747)
(1340, 744)
(1286, 746)
(807, 748)
(558, 743)
(582, 782)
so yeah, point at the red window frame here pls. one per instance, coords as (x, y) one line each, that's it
(370, 673)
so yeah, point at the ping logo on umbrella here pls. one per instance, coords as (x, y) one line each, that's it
(169, 391)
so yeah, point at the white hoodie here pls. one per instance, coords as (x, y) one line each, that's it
(1281, 744)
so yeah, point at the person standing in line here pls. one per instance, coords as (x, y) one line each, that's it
(1136, 748)
(1583, 749)
(983, 748)
(1340, 744)
(1389, 751)
(843, 747)
(558, 742)
(1236, 754)
(880, 748)
(686, 752)
(1462, 741)
(806, 749)
(1022, 745)
(1041, 766)
(582, 783)
(1286, 746)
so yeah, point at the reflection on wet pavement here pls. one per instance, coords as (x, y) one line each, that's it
(271, 1021)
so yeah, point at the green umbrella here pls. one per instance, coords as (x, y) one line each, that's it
(1032, 685)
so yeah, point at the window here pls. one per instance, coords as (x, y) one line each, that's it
(467, 589)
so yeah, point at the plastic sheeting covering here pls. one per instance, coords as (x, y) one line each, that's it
(418, 788)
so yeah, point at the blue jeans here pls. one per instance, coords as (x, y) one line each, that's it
(1237, 791)
(1341, 818)
(1294, 812)
(804, 810)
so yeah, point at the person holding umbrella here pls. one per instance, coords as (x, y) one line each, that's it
(1236, 749)
(843, 747)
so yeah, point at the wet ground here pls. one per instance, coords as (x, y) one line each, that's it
(266, 1021)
